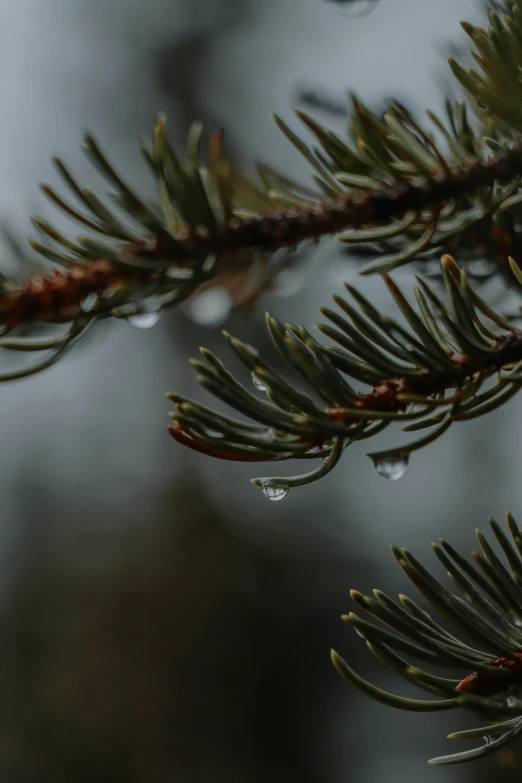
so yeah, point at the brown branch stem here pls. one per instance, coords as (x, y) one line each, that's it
(57, 297)
(387, 397)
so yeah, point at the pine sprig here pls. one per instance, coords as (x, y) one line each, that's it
(170, 261)
(406, 190)
(396, 150)
(394, 184)
(488, 612)
(451, 362)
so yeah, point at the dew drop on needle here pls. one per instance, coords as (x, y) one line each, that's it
(391, 467)
(146, 314)
(275, 493)
(143, 320)
(258, 383)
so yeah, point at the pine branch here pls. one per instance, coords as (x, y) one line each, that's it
(437, 372)
(489, 614)
(392, 184)
(230, 232)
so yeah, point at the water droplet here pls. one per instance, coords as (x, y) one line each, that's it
(275, 493)
(258, 383)
(144, 320)
(142, 315)
(212, 307)
(89, 303)
(391, 466)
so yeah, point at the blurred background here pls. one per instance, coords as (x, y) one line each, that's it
(159, 619)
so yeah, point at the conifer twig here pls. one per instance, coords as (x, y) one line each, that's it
(412, 371)
(58, 296)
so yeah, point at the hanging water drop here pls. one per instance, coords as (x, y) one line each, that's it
(391, 466)
(142, 315)
(258, 383)
(275, 493)
(212, 307)
(144, 320)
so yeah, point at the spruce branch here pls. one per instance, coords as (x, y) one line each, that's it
(450, 363)
(245, 216)
(488, 612)
(221, 215)
(405, 190)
